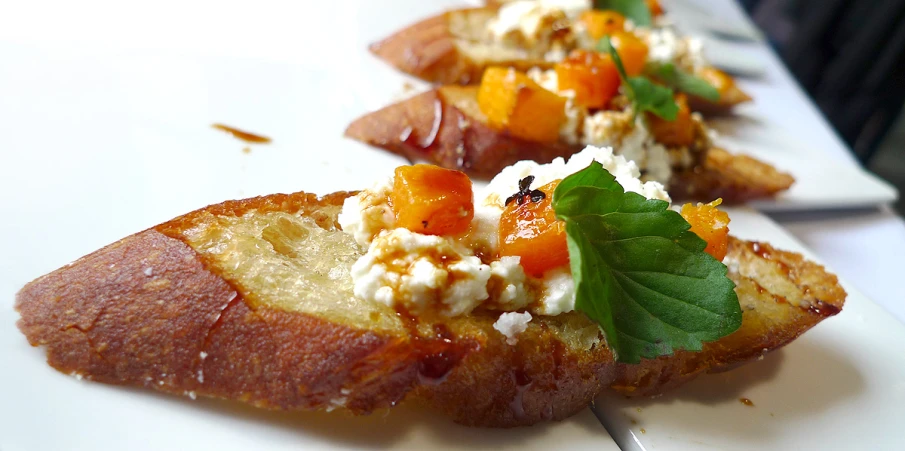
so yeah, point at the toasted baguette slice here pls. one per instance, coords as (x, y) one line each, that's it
(251, 300)
(446, 127)
(452, 48)
(449, 48)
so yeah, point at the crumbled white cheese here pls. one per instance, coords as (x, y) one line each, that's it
(483, 232)
(149, 271)
(526, 17)
(557, 293)
(633, 141)
(511, 324)
(540, 28)
(508, 279)
(421, 272)
(571, 129)
(364, 215)
(626, 173)
(665, 46)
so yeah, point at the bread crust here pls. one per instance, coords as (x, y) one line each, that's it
(184, 329)
(149, 311)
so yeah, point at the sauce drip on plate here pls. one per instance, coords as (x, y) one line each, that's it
(242, 135)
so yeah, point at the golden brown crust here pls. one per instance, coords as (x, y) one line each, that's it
(148, 311)
(431, 51)
(184, 329)
(734, 178)
(445, 126)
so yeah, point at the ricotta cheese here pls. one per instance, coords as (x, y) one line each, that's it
(557, 293)
(542, 28)
(421, 273)
(364, 215)
(626, 173)
(665, 46)
(511, 324)
(526, 18)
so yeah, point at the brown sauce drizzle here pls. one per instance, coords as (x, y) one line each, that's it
(823, 308)
(746, 402)
(242, 135)
(438, 354)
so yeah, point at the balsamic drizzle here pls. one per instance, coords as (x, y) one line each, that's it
(525, 192)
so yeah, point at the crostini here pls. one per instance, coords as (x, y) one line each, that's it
(544, 114)
(420, 288)
(456, 47)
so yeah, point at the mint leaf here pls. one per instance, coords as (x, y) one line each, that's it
(654, 98)
(644, 94)
(682, 81)
(636, 10)
(639, 272)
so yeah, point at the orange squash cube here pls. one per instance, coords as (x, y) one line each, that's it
(679, 132)
(600, 23)
(592, 76)
(655, 8)
(514, 102)
(711, 224)
(432, 200)
(531, 231)
(632, 51)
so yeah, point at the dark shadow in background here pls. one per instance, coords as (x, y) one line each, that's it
(849, 55)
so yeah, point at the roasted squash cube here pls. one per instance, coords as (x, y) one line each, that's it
(514, 102)
(432, 200)
(677, 133)
(592, 76)
(530, 230)
(711, 224)
(632, 51)
(600, 23)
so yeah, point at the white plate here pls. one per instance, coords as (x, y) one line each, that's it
(839, 386)
(105, 114)
(821, 182)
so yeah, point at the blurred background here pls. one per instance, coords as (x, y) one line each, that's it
(849, 56)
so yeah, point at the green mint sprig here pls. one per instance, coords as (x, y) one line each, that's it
(635, 10)
(682, 81)
(640, 273)
(644, 94)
